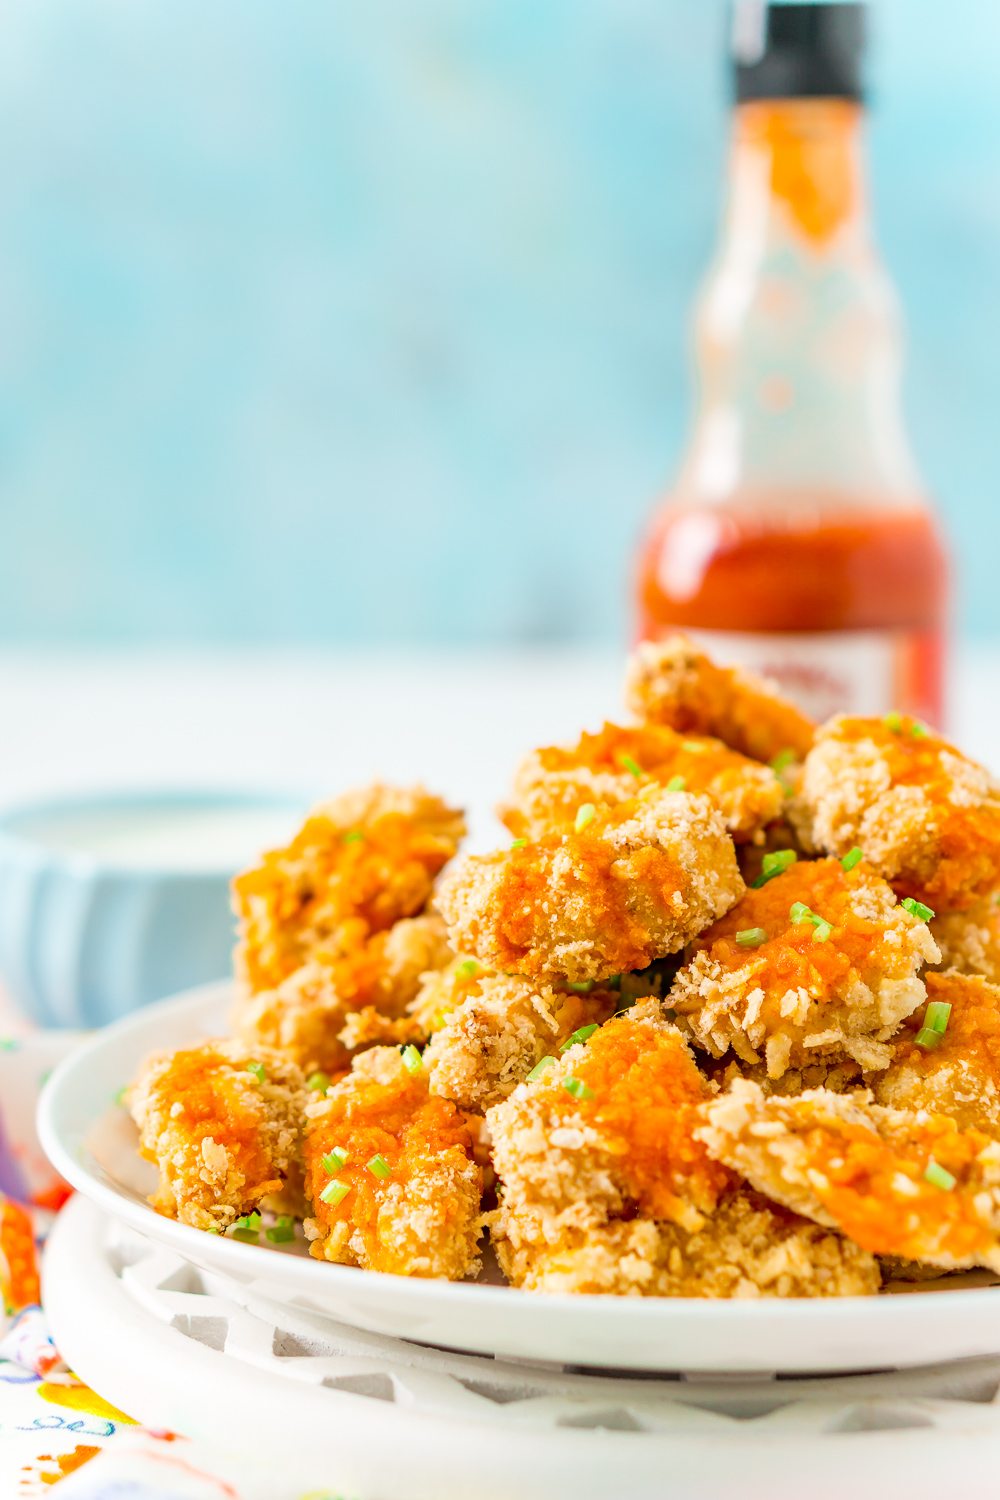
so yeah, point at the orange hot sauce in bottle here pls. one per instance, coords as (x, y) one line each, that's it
(798, 539)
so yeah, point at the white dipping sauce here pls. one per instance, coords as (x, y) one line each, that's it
(161, 836)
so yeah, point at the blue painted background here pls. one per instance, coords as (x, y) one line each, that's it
(345, 321)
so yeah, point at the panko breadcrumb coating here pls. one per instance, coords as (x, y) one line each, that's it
(359, 864)
(631, 885)
(896, 1182)
(503, 1027)
(222, 1135)
(671, 682)
(959, 1075)
(927, 819)
(768, 979)
(412, 1205)
(324, 1011)
(552, 784)
(970, 940)
(748, 1248)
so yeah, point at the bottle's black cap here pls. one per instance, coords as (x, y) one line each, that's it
(798, 51)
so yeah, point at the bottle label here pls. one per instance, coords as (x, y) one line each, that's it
(863, 672)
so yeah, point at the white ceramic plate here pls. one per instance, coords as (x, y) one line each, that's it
(89, 1142)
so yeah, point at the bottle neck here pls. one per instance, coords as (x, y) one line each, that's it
(798, 344)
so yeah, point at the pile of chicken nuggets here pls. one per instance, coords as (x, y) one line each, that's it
(721, 1020)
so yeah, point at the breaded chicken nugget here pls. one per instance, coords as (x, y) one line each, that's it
(954, 1071)
(222, 1123)
(359, 864)
(624, 886)
(390, 1173)
(671, 682)
(748, 1248)
(500, 1031)
(897, 1183)
(818, 963)
(325, 1010)
(551, 785)
(970, 940)
(605, 1189)
(927, 819)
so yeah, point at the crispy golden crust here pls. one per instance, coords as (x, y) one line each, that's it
(552, 784)
(621, 1144)
(359, 864)
(318, 1021)
(422, 1218)
(970, 940)
(927, 818)
(222, 1139)
(863, 1170)
(504, 1026)
(799, 1000)
(960, 1076)
(671, 682)
(633, 885)
(748, 1248)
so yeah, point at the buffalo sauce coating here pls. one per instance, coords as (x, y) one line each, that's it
(398, 1121)
(219, 1106)
(656, 750)
(790, 958)
(972, 1032)
(646, 1093)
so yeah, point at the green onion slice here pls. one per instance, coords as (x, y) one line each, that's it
(577, 1088)
(412, 1061)
(248, 1221)
(335, 1192)
(929, 1038)
(821, 931)
(257, 1069)
(336, 1160)
(283, 1232)
(632, 765)
(378, 1166)
(852, 857)
(519, 843)
(580, 1035)
(917, 909)
(919, 731)
(893, 721)
(248, 1236)
(751, 937)
(781, 760)
(318, 1081)
(581, 986)
(936, 1017)
(355, 837)
(119, 1098)
(467, 969)
(938, 1176)
(540, 1068)
(775, 863)
(676, 783)
(799, 912)
(586, 814)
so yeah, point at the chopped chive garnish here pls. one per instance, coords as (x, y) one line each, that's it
(632, 765)
(539, 1069)
(378, 1166)
(893, 721)
(257, 1069)
(283, 1232)
(247, 1229)
(467, 969)
(335, 1192)
(119, 1098)
(614, 983)
(580, 1035)
(248, 1236)
(519, 843)
(751, 937)
(353, 838)
(318, 1081)
(937, 1015)
(577, 1088)
(248, 1221)
(781, 760)
(938, 1177)
(213, 1229)
(581, 986)
(676, 783)
(929, 1038)
(851, 858)
(775, 863)
(917, 909)
(586, 814)
(918, 730)
(799, 912)
(821, 931)
(336, 1160)
(412, 1060)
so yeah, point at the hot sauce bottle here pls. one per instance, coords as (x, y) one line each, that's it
(798, 539)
